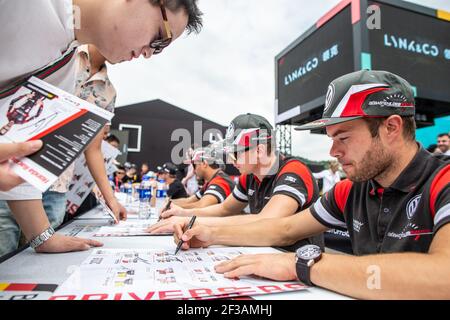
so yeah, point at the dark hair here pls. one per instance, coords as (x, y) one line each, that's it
(270, 144)
(431, 148)
(214, 166)
(120, 167)
(112, 138)
(195, 23)
(409, 127)
(443, 135)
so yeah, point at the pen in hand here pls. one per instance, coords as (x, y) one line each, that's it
(180, 243)
(167, 207)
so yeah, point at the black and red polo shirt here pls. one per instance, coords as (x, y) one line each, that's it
(220, 186)
(401, 218)
(292, 178)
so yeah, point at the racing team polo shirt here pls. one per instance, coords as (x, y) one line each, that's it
(401, 218)
(219, 186)
(292, 178)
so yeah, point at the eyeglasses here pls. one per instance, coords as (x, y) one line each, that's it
(159, 44)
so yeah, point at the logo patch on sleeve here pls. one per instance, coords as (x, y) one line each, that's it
(290, 179)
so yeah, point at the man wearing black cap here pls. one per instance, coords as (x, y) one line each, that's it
(395, 204)
(272, 186)
(169, 173)
(218, 185)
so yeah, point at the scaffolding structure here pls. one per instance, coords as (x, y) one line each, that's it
(284, 139)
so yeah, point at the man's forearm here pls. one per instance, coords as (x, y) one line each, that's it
(30, 216)
(230, 221)
(262, 233)
(96, 165)
(204, 202)
(185, 201)
(211, 211)
(385, 276)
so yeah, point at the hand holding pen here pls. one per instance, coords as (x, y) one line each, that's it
(180, 243)
(167, 207)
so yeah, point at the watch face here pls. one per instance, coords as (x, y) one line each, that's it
(309, 252)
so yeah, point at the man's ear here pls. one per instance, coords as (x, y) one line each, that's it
(261, 149)
(393, 127)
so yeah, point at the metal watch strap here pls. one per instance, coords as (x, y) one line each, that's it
(303, 272)
(43, 237)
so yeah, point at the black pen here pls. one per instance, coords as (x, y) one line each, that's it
(180, 243)
(167, 207)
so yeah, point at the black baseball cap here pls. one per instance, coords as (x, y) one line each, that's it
(246, 131)
(168, 167)
(365, 94)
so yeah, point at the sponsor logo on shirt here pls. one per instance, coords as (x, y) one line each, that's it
(411, 206)
(251, 192)
(339, 233)
(357, 225)
(290, 179)
(411, 233)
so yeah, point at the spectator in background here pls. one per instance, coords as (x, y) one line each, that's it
(175, 187)
(190, 181)
(144, 170)
(131, 175)
(113, 140)
(330, 176)
(433, 148)
(443, 143)
(118, 177)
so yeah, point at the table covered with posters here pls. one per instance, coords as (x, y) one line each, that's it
(32, 276)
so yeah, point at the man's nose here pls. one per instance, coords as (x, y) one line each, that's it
(335, 151)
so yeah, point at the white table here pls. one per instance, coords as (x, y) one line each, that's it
(30, 267)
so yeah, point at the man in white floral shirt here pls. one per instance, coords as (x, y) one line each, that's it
(92, 85)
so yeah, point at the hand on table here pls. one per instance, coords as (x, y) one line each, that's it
(59, 243)
(167, 225)
(173, 210)
(277, 266)
(119, 211)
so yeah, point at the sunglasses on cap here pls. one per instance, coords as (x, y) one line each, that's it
(159, 44)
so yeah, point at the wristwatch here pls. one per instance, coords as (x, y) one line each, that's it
(306, 256)
(40, 239)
